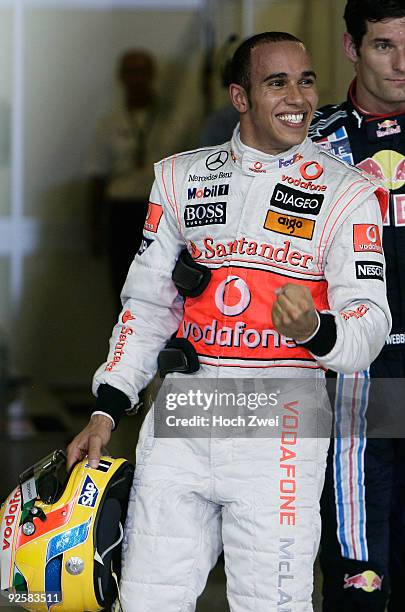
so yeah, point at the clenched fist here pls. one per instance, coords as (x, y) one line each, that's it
(294, 314)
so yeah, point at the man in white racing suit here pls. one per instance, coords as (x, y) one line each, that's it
(274, 219)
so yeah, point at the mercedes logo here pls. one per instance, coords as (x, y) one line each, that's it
(217, 160)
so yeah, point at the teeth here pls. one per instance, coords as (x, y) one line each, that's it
(292, 118)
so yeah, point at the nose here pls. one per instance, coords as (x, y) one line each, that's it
(398, 60)
(294, 94)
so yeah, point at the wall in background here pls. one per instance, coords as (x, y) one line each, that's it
(57, 61)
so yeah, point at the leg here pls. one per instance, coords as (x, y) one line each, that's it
(172, 535)
(355, 508)
(397, 524)
(271, 537)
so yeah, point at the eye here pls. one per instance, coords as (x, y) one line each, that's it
(382, 46)
(309, 82)
(276, 83)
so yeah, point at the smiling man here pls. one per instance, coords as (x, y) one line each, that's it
(365, 477)
(267, 223)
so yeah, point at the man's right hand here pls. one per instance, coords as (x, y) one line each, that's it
(90, 441)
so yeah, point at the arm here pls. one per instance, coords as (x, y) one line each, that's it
(151, 313)
(351, 334)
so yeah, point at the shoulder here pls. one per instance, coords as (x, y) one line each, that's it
(205, 158)
(327, 119)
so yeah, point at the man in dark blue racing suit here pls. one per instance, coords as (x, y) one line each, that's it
(363, 506)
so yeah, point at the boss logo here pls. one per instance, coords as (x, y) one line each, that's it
(293, 200)
(369, 269)
(208, 192)
(205, 214)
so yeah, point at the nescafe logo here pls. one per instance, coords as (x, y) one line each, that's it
(311, 170)
(231, 289)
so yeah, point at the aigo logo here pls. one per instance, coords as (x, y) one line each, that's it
(234, 290)
(310, 171)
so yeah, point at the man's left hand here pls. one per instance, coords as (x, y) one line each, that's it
(294, 314)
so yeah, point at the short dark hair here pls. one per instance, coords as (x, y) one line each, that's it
(358, 12)
(239, 67)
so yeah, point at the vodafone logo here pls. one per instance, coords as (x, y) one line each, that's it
(371, 233)
(311, 170)
(231, 289)
(257, 167)
(366, 237)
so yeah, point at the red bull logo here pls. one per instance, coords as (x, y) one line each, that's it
(388, 127)
(369, 581)
(386, 166)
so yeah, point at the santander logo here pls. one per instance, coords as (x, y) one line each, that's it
(127, 316)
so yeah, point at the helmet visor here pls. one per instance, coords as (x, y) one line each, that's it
(45, 479)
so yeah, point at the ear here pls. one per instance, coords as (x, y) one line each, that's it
(239, 97)
(350, 48)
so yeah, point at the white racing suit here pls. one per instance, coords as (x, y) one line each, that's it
(258, 222)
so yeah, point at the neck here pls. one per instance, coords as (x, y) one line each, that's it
(369, 105)
(250, 139)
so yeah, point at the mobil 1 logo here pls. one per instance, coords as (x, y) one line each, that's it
(294, 200)
(370, 269)
(212, 213)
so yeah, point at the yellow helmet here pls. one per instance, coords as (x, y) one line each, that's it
(61, 534)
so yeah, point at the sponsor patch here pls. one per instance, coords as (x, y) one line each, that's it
(28, 490)
(88, 494)
(357, 314)
(368, 581)
(369, 269)
(127, 316)
(297, 182)
(257, 167)
(103, 465)
(388, 128)
(216, 160)
(146, 242)
(153, 216)
(296, 201)
(8, 533)
(399, 209)
(232, 316)
(366, 238)
(290, 225)
(310, 171)
(250, 248)
(396, 339)
(196, 215)
(283, 163)
(338, 144)
(213, 191)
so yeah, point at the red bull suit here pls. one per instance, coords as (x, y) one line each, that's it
(257, 221)
(367, 472)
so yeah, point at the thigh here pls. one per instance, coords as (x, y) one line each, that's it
(271, 530)
(172, 534)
